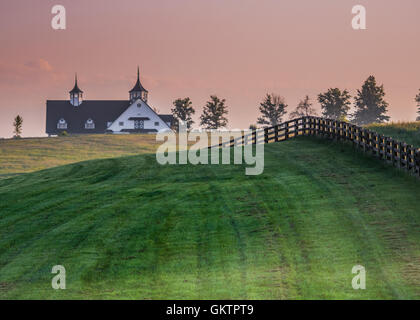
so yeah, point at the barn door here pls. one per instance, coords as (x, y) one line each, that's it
(138, 124)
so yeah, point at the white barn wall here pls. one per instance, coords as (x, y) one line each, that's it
(134, 111)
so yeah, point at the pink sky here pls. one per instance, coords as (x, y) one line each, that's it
(237, 49)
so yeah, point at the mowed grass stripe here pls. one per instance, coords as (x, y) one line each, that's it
(130, 228)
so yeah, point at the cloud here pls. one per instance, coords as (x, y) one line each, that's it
(33, 72)
(39, 64)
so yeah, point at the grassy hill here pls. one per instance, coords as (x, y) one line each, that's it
(31, 154)
(130, 228)
(408, 132)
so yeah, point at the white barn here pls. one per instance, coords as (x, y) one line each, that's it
(80, 116)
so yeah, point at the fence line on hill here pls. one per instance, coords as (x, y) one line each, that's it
(397, 153)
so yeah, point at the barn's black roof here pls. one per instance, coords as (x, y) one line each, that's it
(167, 118)
(138, 87)
(100, 111)
(76, 88)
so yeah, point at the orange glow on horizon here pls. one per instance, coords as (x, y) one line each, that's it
(237, 49)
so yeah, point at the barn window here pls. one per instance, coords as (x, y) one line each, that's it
(144, 95)
(121, 123)
(138, 124)
(89, 124)
(61, 124)
(156, 124)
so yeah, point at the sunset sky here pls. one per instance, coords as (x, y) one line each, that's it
(237, 49)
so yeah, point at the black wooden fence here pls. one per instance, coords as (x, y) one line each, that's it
(395, 152)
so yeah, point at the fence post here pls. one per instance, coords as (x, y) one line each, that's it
(417, 162)
(276, 133)
(383, 140)
(391, 148)
(398, 155)
(265, 135)
(386, 149)
(362, 139)
(312, 126)
(402, 155)
(345, 130)
(320, 127)
(357, 133)
(410, 157)
(328, 128)
(373, 143)
(337, 129)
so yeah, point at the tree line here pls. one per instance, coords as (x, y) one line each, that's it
(369, 102)
(370, 107)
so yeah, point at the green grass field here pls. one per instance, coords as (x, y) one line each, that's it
(129, 228)
(408, 132)
(31, 154)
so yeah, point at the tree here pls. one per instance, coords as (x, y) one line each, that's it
(183, 111)
(370, 104)
(418, 105)
(273, 108)
(214, 112)
(303, 109)
(17, 124)
(335, 104)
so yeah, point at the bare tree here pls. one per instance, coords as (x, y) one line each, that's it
(303, 109)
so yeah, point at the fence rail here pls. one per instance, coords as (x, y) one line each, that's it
(397, 153)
